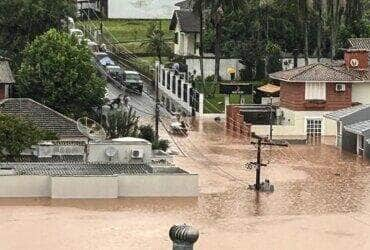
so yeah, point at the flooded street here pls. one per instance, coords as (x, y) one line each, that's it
(321, 201)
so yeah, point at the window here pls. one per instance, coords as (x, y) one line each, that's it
(176, 38)
(314, 127)
(315, 91)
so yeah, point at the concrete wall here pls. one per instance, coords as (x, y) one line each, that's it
(176, 97)
(84, 187)
(96, 152)
(209, 67)
(360, 93)
(294, 125)
(25, 186)
(160, 185)
(141, 9)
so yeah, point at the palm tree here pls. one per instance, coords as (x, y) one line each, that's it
(156, 42)
(216, 8)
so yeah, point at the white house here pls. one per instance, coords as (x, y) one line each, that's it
(187, 33)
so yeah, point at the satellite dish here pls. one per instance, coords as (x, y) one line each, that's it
(91, 129)
(354, 62)
(111, 151)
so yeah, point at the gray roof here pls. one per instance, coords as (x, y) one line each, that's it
(42, 116)
(6, 75)
(189, 22)
(317, 72)
(342, 113)
(187, 4)
(77, 169)
(360, 43)
(358, 128)
(53, 159)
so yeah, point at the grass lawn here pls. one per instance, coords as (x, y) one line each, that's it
(216, 103)
(131, 33)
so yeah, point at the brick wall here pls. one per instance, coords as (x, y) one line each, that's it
(360, 55)
(292, 96)
(235, 121)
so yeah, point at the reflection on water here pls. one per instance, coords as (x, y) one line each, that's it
(333, 182)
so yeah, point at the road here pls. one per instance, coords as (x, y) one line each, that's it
(143, 104)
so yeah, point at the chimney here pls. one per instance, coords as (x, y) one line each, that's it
(356, 59)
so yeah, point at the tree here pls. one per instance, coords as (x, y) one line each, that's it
(121, 123)
(22, 20)
(217, 8)
(17, 134)
(147, 133)
(58, 72)
(156, 43)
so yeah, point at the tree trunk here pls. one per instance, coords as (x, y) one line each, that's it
(319, 28)
(201, 49)
(333, 35)
(305, 32)
(217, 52)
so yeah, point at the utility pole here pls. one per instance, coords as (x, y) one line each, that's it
(156, 80)
(271, 118)
(262, 141)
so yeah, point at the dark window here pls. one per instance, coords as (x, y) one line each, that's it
(176, 38)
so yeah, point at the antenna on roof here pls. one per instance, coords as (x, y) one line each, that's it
(91, 129)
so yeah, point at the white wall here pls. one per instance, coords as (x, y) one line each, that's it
(85, 187)
(96, 153)
(141, 9)
(24, 186)
(179, 103)
(209, 67)
(294, 125)
(160, 185)
(361, 93)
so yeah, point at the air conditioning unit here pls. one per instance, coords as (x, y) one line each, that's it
(137, 154)
(340, 87)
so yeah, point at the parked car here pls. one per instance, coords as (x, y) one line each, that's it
(133, 81)
(116, 72)
(103, 59)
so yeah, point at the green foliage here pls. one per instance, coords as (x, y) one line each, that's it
(161, 144)
(58, 72)
(22, 20)
(247, 31)
(17, 134)
(121, 123)
(147, 133)
(156, 43)
(274, 53)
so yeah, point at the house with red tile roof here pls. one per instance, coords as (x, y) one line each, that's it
(308, 93)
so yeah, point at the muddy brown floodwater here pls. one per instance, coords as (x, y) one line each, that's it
(321, 201)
